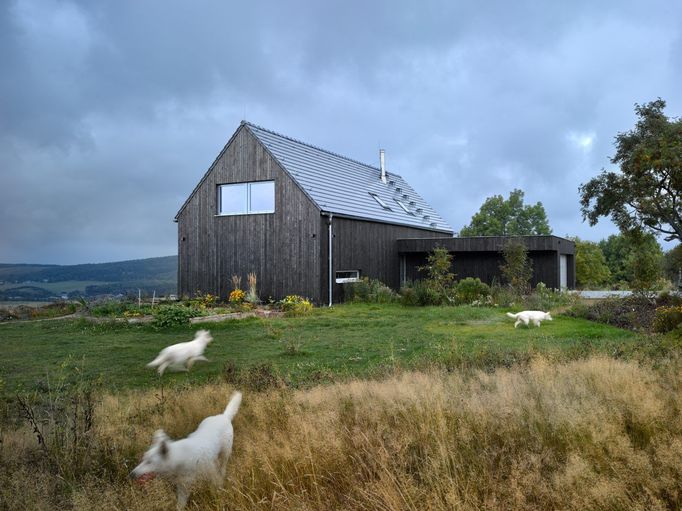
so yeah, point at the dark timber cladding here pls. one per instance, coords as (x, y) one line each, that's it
(370, 247)
(281, 248)
(286, 246)
(482, 256)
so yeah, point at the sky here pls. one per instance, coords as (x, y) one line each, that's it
(111, 112)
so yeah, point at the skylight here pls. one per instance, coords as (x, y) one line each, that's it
(404, 208)
(381, 203)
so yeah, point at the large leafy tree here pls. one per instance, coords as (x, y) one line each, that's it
(590, 266)
(511, 217)
(647, 191)
(673, 264)
(618, 250)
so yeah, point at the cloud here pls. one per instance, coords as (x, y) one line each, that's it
(110, 113)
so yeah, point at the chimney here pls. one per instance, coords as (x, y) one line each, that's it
(382, 165)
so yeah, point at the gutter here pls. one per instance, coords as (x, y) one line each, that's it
(330, 232)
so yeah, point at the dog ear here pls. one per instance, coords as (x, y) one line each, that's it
(159, 436)
(163, 448)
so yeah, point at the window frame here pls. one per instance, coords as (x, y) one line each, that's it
(404, 207)
(346, 280)
(247, 187)
(380, 201)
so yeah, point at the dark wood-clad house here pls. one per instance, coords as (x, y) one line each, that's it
(306, 221)
(270, 204)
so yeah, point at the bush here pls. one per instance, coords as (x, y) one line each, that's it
(237, 296)
(295, 305)
(471, 290)
(502, 296)
(517, 269)
(369, 291)
(545, 298)
(666, 319)
(421, 293)
(169, 316)
(632, 312)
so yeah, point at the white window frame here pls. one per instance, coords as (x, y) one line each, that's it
(248, 199)
(380, 202)
(346, 280)
(404, 208)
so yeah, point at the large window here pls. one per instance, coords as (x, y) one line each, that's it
(246, 198)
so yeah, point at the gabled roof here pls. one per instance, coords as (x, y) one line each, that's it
(346, 187)
(343, 186)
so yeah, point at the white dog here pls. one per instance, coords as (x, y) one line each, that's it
(202, 455)
(527, 316)
(184, 354)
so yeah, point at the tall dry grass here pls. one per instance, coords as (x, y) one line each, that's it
(590, 434)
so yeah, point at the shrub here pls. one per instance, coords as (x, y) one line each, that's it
(295, 305)
(169, 316)
(237, 296)
(517, 269)
(471, 290)
(667, 319)
(440, 279)
(252, 294)
(369, 291)
(421, 292)
(502, 296)
(545, 298)
(632, 312)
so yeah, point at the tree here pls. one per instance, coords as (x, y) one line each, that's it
(673, 264)
(438, 265)
(590, 264)
(517, 269)
(647, 192)
(500, 217)
(644, 264)
(617, 250)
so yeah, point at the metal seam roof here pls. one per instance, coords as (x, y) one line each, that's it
(340, 185)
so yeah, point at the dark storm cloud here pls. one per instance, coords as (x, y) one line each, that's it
(111, 112)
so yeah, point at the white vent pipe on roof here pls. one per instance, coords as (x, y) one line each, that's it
(382, 165)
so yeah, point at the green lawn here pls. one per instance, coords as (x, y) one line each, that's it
(348, 340)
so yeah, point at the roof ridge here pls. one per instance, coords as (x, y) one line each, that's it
(252, 125)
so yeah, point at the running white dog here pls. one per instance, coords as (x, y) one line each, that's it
(527, 316)
(183, 355)
(202, 455)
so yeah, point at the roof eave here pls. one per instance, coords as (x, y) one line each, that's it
(379, 221)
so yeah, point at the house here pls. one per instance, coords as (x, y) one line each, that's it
(552, 258)
(304, 220)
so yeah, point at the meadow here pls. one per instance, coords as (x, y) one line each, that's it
(356, 407)
(352, 340)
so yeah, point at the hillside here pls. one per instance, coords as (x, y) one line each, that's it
(45, 282)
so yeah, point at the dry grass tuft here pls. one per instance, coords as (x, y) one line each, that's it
(590, 434)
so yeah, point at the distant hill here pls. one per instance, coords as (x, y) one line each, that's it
(35, 281)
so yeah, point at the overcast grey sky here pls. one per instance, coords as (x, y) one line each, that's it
(110, 112)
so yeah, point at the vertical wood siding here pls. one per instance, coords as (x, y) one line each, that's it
(370, 247)
(282, 248)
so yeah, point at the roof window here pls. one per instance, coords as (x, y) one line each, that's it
(380, 202)
(404, 208)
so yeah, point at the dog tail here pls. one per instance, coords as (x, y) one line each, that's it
(156, 362)
(512, 315)
(233, 406)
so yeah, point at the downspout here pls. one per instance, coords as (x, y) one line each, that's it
(329, 263)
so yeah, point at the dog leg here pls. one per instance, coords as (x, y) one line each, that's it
(518, 322)
(163, 367)
(182, 495)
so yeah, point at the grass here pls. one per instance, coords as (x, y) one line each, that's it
(343, 342)
(596, 433)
